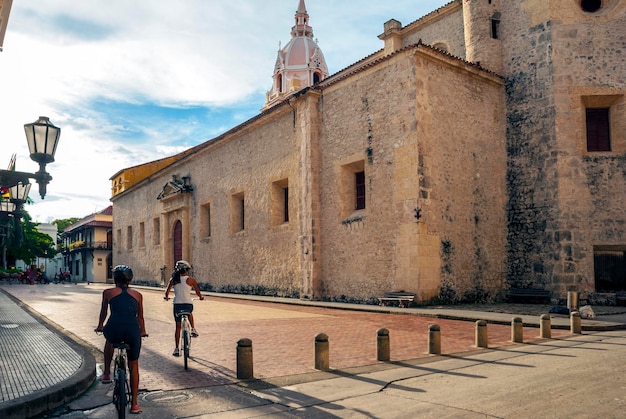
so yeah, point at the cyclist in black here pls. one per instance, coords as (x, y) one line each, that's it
(125, 324)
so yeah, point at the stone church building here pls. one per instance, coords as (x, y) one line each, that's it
(483, 147)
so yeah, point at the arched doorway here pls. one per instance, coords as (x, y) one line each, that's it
(178, 241)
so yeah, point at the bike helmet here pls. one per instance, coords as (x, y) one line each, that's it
(122, 272)
(183, 265)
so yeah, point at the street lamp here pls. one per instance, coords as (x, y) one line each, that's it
(42, 137)
(7, 210)
(18, 195)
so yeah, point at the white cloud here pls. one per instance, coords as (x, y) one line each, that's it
(121, 78)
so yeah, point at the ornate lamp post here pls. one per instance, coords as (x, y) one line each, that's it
(42, 137)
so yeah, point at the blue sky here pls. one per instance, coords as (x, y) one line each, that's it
(133, 81)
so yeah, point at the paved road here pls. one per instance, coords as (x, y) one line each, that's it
(283, 344)
(283, 336)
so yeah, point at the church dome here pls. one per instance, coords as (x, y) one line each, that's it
(299, 64)
(299, 52)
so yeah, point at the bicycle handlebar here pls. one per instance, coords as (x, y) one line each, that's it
(193, 299)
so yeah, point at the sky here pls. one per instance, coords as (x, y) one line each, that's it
(130, 82)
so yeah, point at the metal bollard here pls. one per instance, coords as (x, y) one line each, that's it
(574, 322)
(383, 347)
(321, 352)
(517, 330)
(244, 359)
(481, 334)
(545, 326)
(434, 339)
(572, 300)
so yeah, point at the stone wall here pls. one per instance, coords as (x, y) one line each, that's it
(443, 28)
(564, 201)
(262, 255)
(462, 166)
(531, 178)
(419, 154)
(589, 72)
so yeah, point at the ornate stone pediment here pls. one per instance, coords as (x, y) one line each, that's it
(176, 186)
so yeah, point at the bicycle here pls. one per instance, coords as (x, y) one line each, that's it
(121, 385)
(185, 335)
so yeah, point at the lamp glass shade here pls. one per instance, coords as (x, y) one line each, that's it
(19, 192)
(7, 206)
(42, 137)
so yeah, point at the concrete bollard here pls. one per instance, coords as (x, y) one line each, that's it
(481, 334)
(434, 339)
(574, 322)
(322, 352)
(244, 359)
(383, 347)
(545, 326)
(572, 301)
(517, 330)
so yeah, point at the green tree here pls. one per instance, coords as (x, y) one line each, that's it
(62, 224)
(27, 243)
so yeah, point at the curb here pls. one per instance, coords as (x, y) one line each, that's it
(47, 399)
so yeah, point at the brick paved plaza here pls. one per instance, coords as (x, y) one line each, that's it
(283, 335)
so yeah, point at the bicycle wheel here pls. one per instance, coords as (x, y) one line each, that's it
(120, 391)
(186, 342)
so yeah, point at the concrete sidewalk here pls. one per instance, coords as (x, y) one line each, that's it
(34, 382)
(41, 367)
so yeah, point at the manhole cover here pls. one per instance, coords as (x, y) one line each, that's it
(167, 397)
(9, 326)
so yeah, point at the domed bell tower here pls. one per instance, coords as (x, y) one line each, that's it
(299, 64)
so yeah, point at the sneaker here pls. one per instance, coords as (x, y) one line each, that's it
(136, 409)
(105, 379)
(176, 352)
(194, 333)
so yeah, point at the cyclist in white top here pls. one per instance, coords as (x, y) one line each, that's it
(182, 284)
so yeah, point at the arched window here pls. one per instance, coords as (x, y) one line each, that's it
(441, 46)
(495, 25)
(317, 77)
(279, 82)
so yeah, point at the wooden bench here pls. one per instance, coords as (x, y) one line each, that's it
(403, 299)
(531, 295)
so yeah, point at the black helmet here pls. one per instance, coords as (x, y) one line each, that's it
(122, 273)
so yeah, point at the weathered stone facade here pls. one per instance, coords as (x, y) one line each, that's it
(565, 203)
(467, 132)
